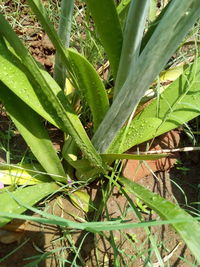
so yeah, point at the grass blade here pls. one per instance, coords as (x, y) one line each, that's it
(188, 230)
(29, 195)
(112, 157)
(94, 227)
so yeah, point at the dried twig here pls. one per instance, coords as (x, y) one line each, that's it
(164, 151)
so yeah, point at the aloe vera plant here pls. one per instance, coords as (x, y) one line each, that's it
(31, 95)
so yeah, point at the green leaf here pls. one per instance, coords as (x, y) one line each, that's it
(91, 86)
(34, 133)
(178, 104)
(172, 28)
(16, 77)
(112, 157)
(106, 20)
(25, 174)
(60, 108)
(64, 31)
(29, 196)
(133, 33)
(172, 74)
(188, 229)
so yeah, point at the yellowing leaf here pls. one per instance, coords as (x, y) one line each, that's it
(171, 74)
(21, 175)
(81, 200)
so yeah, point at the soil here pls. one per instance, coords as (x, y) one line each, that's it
(135, 169)
(32, 239)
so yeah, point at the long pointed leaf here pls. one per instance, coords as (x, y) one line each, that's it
(64, 31)
(91, 86)
(176, 22)
(34, 133)
(133, 33)
(188, 230)
(108, 26)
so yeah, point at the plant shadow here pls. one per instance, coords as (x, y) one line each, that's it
(25, 243)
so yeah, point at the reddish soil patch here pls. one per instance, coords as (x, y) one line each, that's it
(135, 169)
